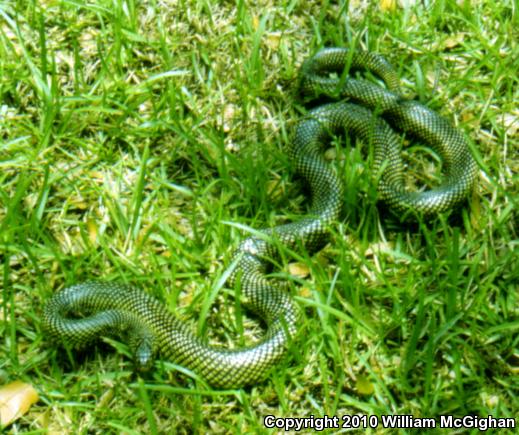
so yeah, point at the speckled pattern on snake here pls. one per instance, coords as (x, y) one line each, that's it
(110, 308)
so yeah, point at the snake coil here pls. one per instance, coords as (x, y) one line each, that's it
(111, 308)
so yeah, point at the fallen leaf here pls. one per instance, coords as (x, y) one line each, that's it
(364, 386)
(454, 41)
(273, 40)
(305, 292)
(378, 248)
(92, 230)
(511, 123)
(228, 115)
(300, 270)
(15, 400)
(388, 5)
(255, 22)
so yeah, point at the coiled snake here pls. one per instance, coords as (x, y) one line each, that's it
(110, 308)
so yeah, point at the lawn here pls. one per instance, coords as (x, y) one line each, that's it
(140, 140)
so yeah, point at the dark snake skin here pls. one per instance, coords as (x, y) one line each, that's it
(118, 309)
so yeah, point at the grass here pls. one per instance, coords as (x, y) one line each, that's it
(133, 134)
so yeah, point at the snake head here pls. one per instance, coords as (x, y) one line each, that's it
(143, 349)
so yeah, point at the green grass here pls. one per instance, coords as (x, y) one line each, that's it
(133, 134)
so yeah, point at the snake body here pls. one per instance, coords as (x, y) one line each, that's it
(81, 313)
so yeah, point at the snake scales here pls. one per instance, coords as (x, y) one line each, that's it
(110, 308)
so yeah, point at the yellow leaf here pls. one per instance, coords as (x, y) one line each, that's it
(300, 270)
(255, 22)
(364, 386)
(92, 230)
(275, 188)
(378, 248)
(475, 211)
(330, 154)
(454, 41)
(305, 292)
(229, 112)
(388, 5)
(273, 40)
(15, 400)
(510, 121)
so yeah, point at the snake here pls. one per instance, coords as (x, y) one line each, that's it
(373, 112)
